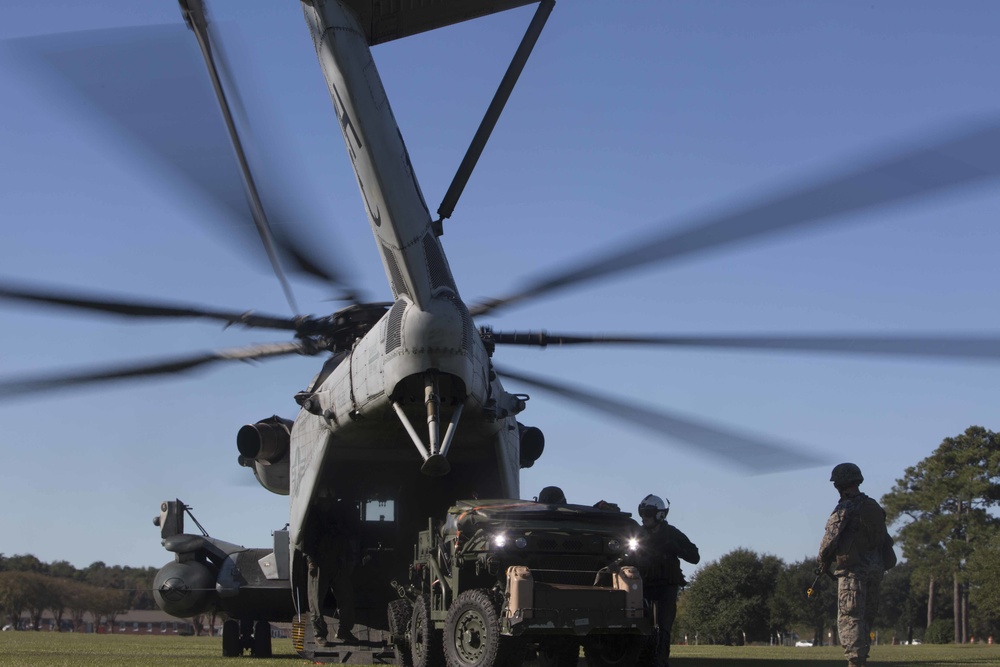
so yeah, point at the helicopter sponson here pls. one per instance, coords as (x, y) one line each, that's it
(208, 574)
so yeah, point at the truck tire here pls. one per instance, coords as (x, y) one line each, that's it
(472, 634)
(425, 641)
(514, 650)
(612, 650)
(400, 612)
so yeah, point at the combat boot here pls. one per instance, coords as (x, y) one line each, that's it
(347, 636)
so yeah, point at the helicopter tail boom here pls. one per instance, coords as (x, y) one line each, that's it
(414, 262)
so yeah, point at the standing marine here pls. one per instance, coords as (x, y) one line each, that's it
(857, 550)
(659, 560)
(331, 556)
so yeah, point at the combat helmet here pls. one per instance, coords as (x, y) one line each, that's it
(846, 474)
(653, 506)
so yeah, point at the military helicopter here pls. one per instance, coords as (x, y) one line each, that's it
(409, 407)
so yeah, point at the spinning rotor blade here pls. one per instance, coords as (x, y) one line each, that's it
(292, 248)
(194, 16)
(749, 453)
(299, 253)
(144, 309)
(966, 158)
(948, 347)
(15, 388)
(146, 86)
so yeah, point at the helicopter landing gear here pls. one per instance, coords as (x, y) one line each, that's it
(231, 644)
(238, 636)
(435, 459)
(261, 647)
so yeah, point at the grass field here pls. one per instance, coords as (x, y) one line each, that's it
(38, 649)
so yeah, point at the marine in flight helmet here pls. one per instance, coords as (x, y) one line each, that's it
(653, 508)
(845, 475)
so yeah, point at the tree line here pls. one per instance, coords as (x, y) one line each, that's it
(28, 585)
(946, 590)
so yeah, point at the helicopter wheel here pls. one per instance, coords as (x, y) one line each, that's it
(261, 640)
(232, 646)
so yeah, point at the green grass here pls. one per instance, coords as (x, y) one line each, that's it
(54, 649)
(926, 655)
(31, 649)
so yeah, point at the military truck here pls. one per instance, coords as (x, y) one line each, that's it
(499, 578)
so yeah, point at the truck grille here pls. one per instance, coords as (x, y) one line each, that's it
(594, 545)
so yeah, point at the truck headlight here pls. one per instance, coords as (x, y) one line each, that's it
(500, 540)
(633, 543)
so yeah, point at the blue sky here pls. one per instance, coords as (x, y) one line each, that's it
(630, 117)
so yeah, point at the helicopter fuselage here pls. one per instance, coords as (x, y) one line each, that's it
(408, 415)
(423, 362)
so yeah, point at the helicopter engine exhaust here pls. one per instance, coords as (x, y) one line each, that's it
(264, 447)
(267, 440)
(532, 444)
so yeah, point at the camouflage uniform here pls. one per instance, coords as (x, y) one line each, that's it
(852, 550)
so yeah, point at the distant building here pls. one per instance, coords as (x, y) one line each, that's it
(140, 622)
(134, 622)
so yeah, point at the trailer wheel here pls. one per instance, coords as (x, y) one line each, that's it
(472, 634)
(425, 641)
(400, 612)
(612, 650)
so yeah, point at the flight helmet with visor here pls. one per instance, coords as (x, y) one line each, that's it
(652, 509)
